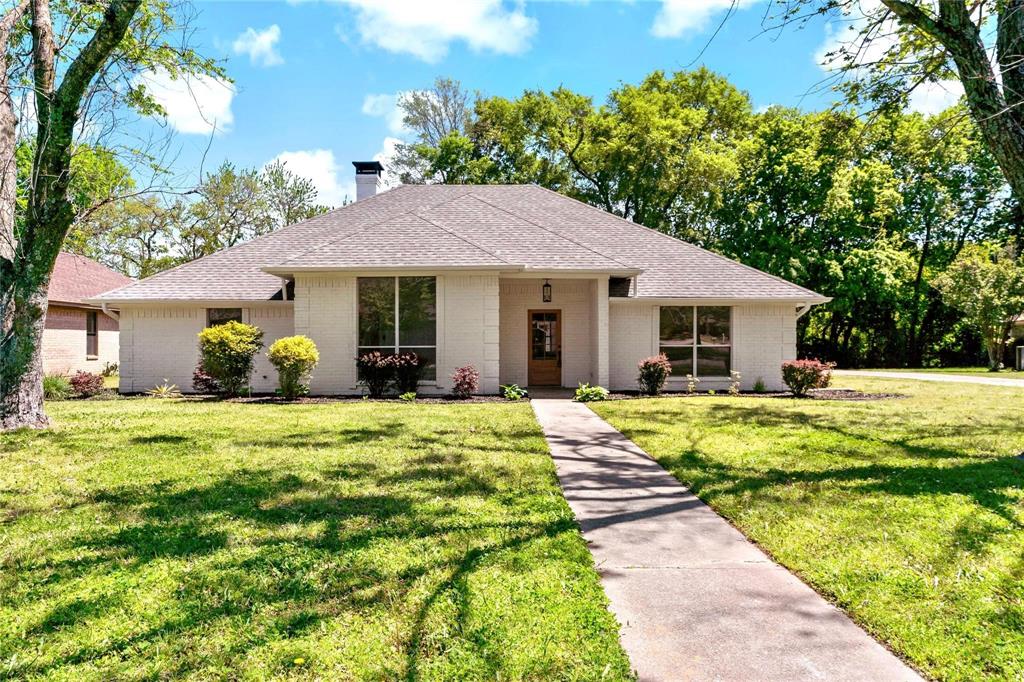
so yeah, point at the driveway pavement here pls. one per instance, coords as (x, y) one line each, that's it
(695, 599)
(927, 376)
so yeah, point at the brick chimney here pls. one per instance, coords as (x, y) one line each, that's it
(367, 178)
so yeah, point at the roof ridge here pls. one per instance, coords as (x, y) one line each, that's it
(546, 229)
(455, 234)
(358, 230)
(677, 240)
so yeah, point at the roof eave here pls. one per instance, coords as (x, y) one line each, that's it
(282, 271)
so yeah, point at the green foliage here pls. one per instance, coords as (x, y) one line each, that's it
(408, 396)
(803, 375)
(585, 393)
(986, 284)
(57, 387)
(513, 392)
(759, 386)
(294, 357)
(227, 352)
(164, 390)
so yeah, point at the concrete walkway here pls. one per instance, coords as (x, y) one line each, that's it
(696, 600)
(927, 376)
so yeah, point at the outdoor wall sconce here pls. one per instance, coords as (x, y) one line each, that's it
(546, 291)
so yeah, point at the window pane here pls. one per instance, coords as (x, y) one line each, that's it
(677, 324)
(713, 362)
(417, 311)
(376, 311)
(215, 316)
(681, 359)
(713, 324)
(91, 338)
(430, 355)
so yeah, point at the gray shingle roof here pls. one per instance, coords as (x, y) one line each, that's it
(505, 227)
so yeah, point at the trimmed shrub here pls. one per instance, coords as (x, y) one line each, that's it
(56, 387)
(86, 384)
(294, 357)
(465, 381)
(585, 393)
(376, 372)
(514, 392)
(408, 371)
(803, 375)
(202, 382)
(227, 352)
(652, 373)
(759, 386)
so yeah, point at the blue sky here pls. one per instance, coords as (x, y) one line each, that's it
(315, 82)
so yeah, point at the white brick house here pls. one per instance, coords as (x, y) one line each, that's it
(526, 285)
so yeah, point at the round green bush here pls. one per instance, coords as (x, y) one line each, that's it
(294, 357)
(227, 352)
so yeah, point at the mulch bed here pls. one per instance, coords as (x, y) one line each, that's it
(847, 394)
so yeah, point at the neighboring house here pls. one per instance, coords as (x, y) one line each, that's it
(526, 285)
(79, 335)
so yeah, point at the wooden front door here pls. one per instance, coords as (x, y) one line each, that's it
(545, 352)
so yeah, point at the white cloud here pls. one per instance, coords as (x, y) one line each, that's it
(933, 98)
(386, 106)
(427, 29)
(261, 46)
(677, 17)
(194, 104)
(319, 166)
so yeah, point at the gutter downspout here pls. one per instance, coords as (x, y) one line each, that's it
(110, 313)
(802, 310)
(284, 288)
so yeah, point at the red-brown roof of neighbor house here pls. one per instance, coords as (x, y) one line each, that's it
(76, 278)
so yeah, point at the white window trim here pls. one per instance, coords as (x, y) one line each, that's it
(695, 345)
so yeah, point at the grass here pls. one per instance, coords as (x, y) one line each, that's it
(965, 371)
(907, 513)
(144, 539)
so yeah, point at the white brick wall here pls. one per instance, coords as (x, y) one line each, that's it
(160, 342)
(574, 297)
(468, 328)
(325, 311)
(763, 337)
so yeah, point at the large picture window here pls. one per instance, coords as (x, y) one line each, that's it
(697, 340)
(398, 315)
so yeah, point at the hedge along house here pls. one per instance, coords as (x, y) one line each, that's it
(79, 336)
(528, 286)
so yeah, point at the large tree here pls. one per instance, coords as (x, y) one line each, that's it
(82, 62)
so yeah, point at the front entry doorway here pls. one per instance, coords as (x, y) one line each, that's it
(545, 351)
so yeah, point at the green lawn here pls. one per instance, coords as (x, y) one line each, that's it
(145, 539)
(966, 371)
(907, 513)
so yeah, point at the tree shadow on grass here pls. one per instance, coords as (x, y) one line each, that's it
(290, 579)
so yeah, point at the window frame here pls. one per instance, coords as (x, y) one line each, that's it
(397, 346)
(241, 316)
(696, 344)
(92, 337)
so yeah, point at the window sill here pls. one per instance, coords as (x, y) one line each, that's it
(92, 357)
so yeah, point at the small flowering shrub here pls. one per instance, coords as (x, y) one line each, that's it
(294, 357)
(376, 371)
(227, 352)
(652, 373)
(408, 371)
(465, 381)
(585, 393)
(734, 382)
(202, 382)
(691, 383)
(803, 375)
(513, 392)
(86, 384)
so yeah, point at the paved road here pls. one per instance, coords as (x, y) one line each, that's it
(695, 599)
(944, 378)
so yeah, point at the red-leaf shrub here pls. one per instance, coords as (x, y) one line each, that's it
(409, 368)
(202, 382)
(465, 381)
(652, 374)
(803, 375)
(86, 384)
(377, 371)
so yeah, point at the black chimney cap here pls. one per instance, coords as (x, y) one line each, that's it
(368, 167)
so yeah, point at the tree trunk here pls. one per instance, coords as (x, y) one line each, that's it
(21, 359)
